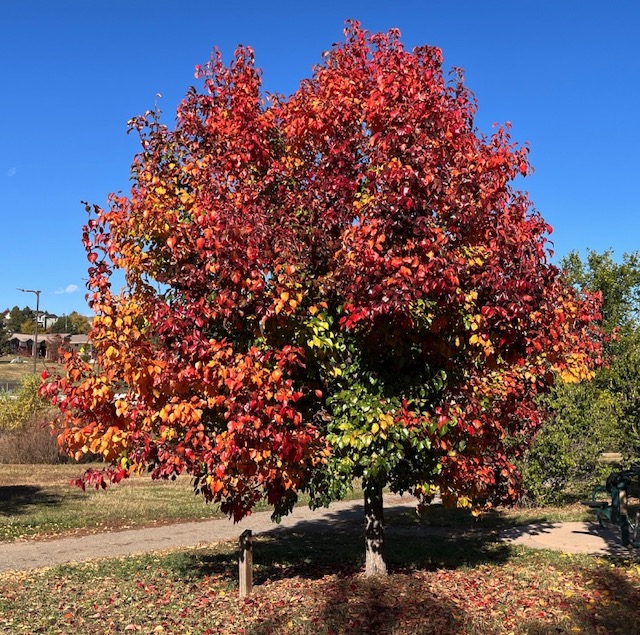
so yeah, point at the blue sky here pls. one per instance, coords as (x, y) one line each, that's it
(72, 72)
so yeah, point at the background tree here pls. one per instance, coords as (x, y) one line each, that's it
(17, 317)
(28, 326)
(336, 285)
(4, 338)
(599, 416)
(25, 436)
(74, 323)
(56, 346)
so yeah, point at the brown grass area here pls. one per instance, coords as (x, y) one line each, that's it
(41, 501)
(16, 372)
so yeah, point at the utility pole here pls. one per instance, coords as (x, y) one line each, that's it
(35, 332)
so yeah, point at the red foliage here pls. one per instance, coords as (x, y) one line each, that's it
(341, 283)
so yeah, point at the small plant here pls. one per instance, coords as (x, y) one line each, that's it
(31, 442)
(25, 433)
(18, 408)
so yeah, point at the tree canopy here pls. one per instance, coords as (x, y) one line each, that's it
(338, 284)
(17, 317)
(4, 337)
(73, 323)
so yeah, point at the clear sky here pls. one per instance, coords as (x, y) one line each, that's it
(566, 73)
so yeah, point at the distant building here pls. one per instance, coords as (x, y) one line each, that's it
(50, 344)
(46, 320)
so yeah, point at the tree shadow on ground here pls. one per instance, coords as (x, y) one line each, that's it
(368, 606)
(331, 553)
(437, 515)
(349, 602)
(17, 499)
(617, 611)
(313, 549)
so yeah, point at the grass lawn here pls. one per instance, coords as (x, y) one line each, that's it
(308, 584)
(38, 500)
(16, 372)
(313, 584)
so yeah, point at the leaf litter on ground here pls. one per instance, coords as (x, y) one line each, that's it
(529, 593)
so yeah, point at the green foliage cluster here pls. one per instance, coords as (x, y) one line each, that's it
(603, 415)
(369, 380)
(18, 318)
(4, 338)
(74, 323)
(23, 321)
(16, 409)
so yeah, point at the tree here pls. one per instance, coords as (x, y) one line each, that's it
(17, 317)
(55, 345)
(28, 326)
(340, 284)
(617, 384)
(602, 415)
(617, 282)
(73, 323)
(4, 338)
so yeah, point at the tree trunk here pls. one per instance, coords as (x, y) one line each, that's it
(374, 529)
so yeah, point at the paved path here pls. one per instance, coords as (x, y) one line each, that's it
(33, 554)
(577, 537)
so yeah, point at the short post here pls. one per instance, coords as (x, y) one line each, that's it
(246, 563)
(624, 523)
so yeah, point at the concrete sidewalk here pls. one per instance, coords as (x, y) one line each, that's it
(576, 537)
(34, 554)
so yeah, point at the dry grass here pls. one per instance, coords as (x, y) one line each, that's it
(16, 372)
(40, 475)
(31, 442)
(41, 501)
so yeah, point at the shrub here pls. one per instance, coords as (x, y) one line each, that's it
(31, 442)
(564, 460)
(25, 431)
(17, 408)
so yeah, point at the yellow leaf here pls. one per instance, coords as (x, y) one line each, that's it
(463, 502)
(386, 420)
